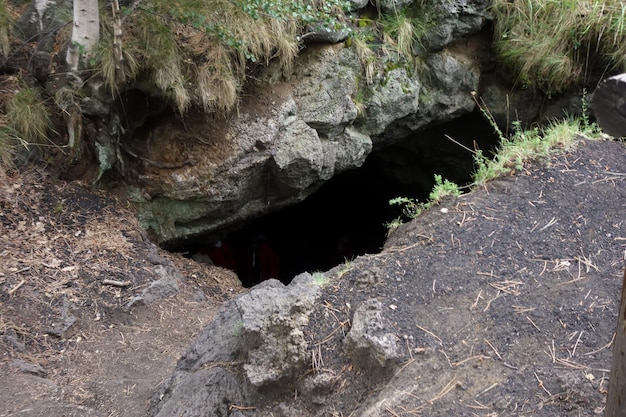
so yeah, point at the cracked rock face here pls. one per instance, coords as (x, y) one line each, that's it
(289, 137)
(272, 331)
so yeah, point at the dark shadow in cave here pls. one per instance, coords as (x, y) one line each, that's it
(347, 216)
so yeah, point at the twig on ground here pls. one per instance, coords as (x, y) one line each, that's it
(387, 409)
(533, 323)
(449, 386)
(430, 333)
(494, 349)
(587, 262)
(522, 309)
(455, 364)
(317, 362)
(480, 406)
(552, 353)
(410, 361)
(593, 352)
(492, 300)
(576, 344)
(552, 222)
(576, 365)
(561, 265)
(571, 281)
(331, 334)
(541, 385)
(507, 286)
(17, 287)
(486, 390)
(115, 283)
(478, 297)
(240, 407)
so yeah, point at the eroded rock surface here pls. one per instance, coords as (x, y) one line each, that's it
(255, 346)
(294, 131)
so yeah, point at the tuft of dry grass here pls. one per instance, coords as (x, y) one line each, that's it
(28, 115)
(212, 44)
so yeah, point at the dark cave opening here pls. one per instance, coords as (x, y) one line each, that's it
(347, 216)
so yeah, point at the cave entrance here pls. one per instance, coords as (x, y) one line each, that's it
(347, 216)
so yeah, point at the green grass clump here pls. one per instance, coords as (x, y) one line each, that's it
(550, 44)
(8, 148)
(26, 122)
(402, 30)
(28, 115)
(395, 33)
(320, 279)
(526, 144)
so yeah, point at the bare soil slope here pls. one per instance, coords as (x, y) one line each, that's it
(506, 300)
(71, 261)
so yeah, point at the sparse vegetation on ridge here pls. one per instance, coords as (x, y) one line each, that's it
(200, 53)
(532, 143)
(523, 145)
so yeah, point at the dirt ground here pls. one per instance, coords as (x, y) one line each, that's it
(506, 299)
(69, 347)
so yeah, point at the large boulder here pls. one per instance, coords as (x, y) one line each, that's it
(288, 137)
(255, 346)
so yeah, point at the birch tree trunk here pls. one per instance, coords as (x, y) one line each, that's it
(85, 31)
(616, 401)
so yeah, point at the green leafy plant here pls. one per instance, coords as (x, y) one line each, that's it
(412, 208)
(320, 279)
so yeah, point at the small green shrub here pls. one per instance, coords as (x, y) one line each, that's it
(443, 188)
(412, 208)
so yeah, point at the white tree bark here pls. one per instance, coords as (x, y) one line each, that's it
(85, 31)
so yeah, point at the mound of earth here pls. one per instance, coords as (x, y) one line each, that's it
(500, 302)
